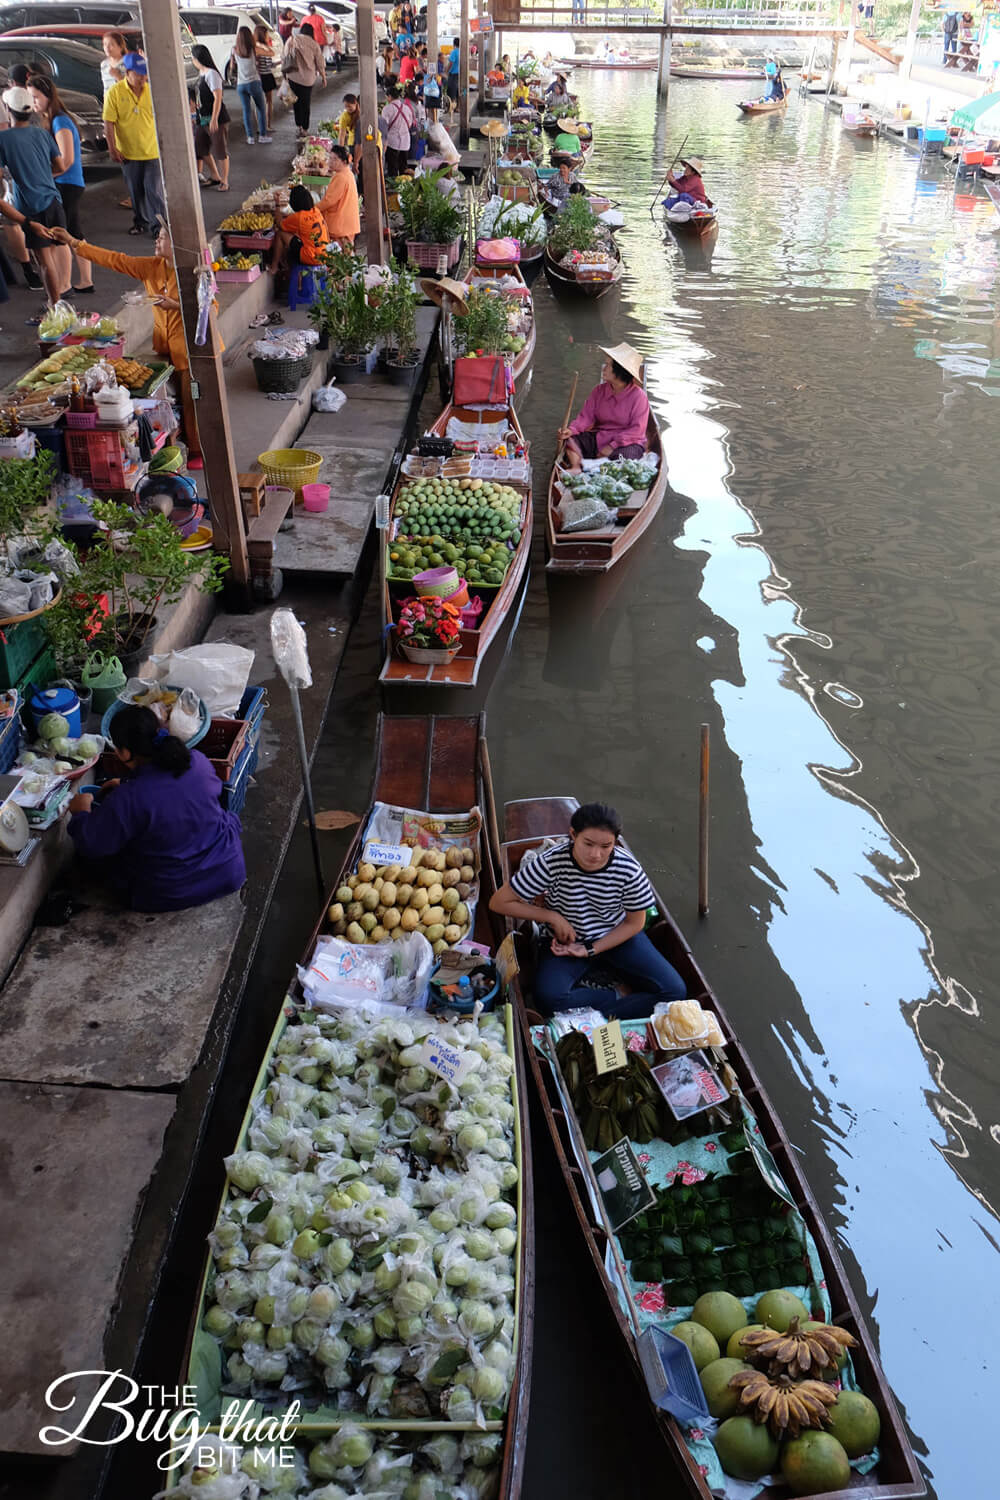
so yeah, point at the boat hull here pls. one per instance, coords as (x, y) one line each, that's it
(562, 281)
(763, 106)
(599, 551)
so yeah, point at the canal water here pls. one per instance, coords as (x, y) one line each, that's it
(820, 588)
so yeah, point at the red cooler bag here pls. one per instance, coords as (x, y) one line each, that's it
(480, 382)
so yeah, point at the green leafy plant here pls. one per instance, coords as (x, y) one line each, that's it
(136, 561)
(428, 215)
(576, 228)
(522, 223)
(484, 326)
(25, 484)
(396, 313)
(342, 308)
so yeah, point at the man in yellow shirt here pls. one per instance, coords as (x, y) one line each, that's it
(130, 130)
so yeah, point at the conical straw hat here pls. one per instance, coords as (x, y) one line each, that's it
(436, 291)
(623, 354)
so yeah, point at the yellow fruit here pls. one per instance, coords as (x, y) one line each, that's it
(352, 882)
(389, 893)
(344, 893)
(377, 935)
(468, 858)
(460, 913)
(417, 858)
(721, 1313)
(409, 920)
(449, 899)
(418, 901)
(378, 882)
(355, 933)
(392, 872)
(703, 1346)
(336, 911)
(361, 890)
(453, 857)
(391, 919)
(435, 892)
(450, 878)
(353, 911)
(468, 873)
(440, 946)
(452, 934)
(409, 875)
(426, 878)
(436, 859)
(366, 872)
(432, 914)
(403, 894)
(368, 921)
(434, 933)
(370, 900)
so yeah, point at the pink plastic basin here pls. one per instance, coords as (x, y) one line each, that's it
(315, 496)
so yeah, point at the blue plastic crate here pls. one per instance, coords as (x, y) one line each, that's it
(234, 791)
(10, 737)
(252, 706)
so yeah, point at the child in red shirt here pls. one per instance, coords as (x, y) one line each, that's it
(302, 237)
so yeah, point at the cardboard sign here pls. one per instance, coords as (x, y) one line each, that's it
(622, 1184)
(451, 1063)
(386, 854)
(609, 1048)
(482, 24)
(689, 1084)
(506, 960)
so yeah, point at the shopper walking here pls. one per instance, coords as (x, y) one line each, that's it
(130, 131)
(53, 114)
(315, 24)
(335, 42)
(213, 113)
(264, 48)
(248, 85)
(398, 120)
(304, 66)
(31, 157)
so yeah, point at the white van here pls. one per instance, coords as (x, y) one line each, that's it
(215, 27)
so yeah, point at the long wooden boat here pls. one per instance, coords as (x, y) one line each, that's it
(763, 106)
(597, 551)
(562, 280)
(861, 124)
(713, 75)
(431, 765)
(494, 273)
(694, 224)
(896, 1476)
(463, 670)
(625, 65)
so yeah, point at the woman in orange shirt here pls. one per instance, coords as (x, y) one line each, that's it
(339, 205)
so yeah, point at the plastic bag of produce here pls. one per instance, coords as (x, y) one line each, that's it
(217, 671)
(381, 976)
(586, 514)
(185, 716)
(328, 398)
(57, 321)
(15, 597)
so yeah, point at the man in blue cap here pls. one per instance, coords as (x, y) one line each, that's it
(130, 130)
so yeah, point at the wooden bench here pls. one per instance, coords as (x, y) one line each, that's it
(263, 528)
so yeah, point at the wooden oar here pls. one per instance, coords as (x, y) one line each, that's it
(569, 408)
(667, 173)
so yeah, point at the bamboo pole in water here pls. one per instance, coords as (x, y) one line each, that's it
(703, 825)
(569, 407)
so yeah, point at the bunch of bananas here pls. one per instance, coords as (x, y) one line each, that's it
(797, 1351)
(626, 1102)
(236, 262)
(248, 222)
(785, 1406)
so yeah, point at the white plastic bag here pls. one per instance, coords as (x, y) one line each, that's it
(328, 398)
(385, 976)
(185, 716)
(217, 671)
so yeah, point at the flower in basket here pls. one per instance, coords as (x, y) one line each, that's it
(429, 622)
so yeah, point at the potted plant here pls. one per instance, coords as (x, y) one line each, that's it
(396, 320)
(134, 564)
(576, 229)
(432, 225)
(428, 630)
(483, 328)
(344, 311)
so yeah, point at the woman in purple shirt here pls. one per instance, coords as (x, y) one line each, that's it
(613, 420)
(165, 840)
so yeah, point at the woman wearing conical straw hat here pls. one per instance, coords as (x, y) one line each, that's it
(613, 419)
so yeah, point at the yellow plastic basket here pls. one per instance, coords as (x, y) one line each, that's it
(292, 467)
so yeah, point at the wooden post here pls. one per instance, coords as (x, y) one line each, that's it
(187, 233)
(432, 35)
(368, 97)
(463, 76)
(663, 62)
(480, 60)
(703, 824)
(911, 41)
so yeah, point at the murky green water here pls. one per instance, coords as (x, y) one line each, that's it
(821, 589)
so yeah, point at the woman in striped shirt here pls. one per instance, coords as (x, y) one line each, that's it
(591, 895)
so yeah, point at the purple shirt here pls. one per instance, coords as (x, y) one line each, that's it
(618, 417)
(169, 842)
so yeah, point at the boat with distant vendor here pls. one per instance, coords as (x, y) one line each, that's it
(599, 550)
(716, 75)
(593, 274)
(695, 1209)
(859, 122)
(763, 106)
(692, 218)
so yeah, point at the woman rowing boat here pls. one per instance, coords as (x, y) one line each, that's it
(613, 419)
(687, 185)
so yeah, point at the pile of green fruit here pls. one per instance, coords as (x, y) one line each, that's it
(771, 1385)
(729, 1232)
(465, 522)
(625, 1102)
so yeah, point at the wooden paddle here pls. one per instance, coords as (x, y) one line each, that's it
(569, 409)
(673, 164)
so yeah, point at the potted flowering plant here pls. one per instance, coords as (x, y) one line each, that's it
(428, 630)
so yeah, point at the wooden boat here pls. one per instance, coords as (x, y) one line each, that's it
(597, 551)
(463, 670)
(694, 224)
(896, 1476)
(493, 273)
(713, 75)
(563, 280)
(859, 123)
(624, 65)
(425, 764)
(763, 106)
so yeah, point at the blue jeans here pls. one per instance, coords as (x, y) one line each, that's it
(254, 92)
(557, 980)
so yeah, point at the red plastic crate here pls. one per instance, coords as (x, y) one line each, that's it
(99, 457)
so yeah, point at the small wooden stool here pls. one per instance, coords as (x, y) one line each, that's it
(251, 488)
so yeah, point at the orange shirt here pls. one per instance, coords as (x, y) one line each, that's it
(310, 226)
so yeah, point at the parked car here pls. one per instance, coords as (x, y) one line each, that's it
(43, 14)
(215, 27)
(90, 36)
(86, 113)
(72, 64)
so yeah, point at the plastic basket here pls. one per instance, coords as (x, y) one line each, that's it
(196, 738)
(234, 791)
(20, 644)
(281, 374)
(291, 467)
(10, 737)
(250, 274)
(261, 240)
(427, 256)
(251, 711)
(81, 419)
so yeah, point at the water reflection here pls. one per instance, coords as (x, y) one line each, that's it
(825, 577)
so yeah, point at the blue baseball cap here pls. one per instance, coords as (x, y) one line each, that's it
(134, 62)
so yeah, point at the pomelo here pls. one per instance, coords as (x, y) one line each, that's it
(814, 1464)
(777, 1309)
(722, 1401)
(735, 1349)
(746, 1449)
(854, 1422)
(703, 1346)
(721, 1313)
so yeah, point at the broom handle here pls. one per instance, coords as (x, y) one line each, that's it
(569, 405)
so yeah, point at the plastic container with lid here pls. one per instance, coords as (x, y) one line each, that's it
(56, 699)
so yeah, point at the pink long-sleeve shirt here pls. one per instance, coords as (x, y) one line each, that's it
(617, 417)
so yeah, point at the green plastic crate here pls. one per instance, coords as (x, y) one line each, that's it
(39, 674)
(19, 645)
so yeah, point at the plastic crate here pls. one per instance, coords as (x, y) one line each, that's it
(426, 256)
(20, 644)
(234, 791)
(10, 737)
(39, 674)
(83, 421)
(224, 744)
(99, 457)
(251, 711)
(243, 276)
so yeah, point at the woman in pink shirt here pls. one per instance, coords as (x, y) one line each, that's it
(613, 420)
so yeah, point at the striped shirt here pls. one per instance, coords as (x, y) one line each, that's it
(595, 901)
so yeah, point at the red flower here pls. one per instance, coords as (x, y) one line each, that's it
(696, 1434)
(711, 1146)
(651, 1299)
